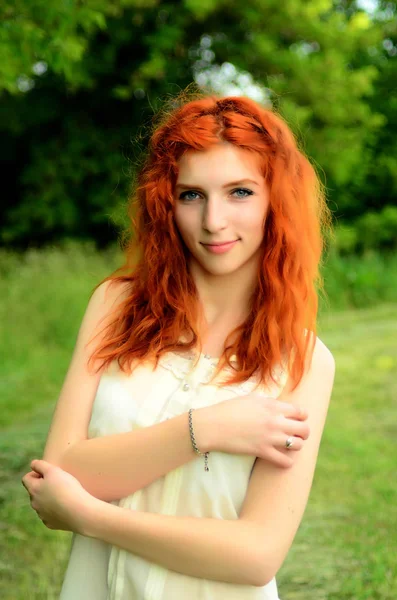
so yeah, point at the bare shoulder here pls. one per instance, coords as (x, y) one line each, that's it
(323, 354)
(321, 364)
(104, 299)
(109, 292)
(323, 361)
(314, 390)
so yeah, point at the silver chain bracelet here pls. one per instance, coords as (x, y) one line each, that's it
(205, 454)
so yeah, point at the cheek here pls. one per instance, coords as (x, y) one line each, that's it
(185, 222)
(184, 228)
(251, 221)
(178, 221)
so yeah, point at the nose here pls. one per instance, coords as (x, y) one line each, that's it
(214, 215)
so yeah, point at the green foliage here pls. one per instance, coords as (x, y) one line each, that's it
(359, 281)
(371, 230)
(47, 204)
(24, 39)
(202, 8)
(79, 81)
(378, 229)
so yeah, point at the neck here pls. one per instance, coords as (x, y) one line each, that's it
(224, 298)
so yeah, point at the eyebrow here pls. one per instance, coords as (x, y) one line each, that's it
(197, 187)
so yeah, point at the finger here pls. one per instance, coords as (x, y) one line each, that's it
(297, 443)
(26, 482)
(296, 428)
(293, 411)
(40, 466)
(48, 525)
(29, 494)
(290, 410)
(28, 491)
(279, 459)
(32, 475)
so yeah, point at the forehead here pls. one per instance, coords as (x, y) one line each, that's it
(221, 162)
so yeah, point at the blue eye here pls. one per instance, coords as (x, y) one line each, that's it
(246, 192)
(184, 194)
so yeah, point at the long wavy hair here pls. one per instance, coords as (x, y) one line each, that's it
(160, 310)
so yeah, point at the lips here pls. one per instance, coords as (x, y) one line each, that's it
(220, 248)
(220, 243)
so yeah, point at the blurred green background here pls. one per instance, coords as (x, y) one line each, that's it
(79, 85)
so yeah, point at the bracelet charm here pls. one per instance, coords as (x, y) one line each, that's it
(205, 454)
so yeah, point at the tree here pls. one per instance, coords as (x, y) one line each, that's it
(73, 99)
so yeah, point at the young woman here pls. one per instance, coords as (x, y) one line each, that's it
(184, 442)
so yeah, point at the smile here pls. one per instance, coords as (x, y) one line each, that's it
(220, 248)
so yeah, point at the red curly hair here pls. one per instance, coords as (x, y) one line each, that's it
(161, 304)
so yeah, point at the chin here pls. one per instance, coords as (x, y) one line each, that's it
(225, 270)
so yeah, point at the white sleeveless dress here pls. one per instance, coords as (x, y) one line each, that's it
(99, 571)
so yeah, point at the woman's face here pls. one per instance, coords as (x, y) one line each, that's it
(221, 196)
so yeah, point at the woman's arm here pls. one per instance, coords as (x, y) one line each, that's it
(248, 550)
(223, 550)
(251, 549)
(216, 549)
(114, 466)
(276, 500)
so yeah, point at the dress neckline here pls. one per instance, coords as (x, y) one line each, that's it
(191, 355)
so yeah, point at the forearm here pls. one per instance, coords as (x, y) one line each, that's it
(115, 466)
(221, 550)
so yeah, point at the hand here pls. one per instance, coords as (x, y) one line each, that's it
(259, 426)
(58, 498)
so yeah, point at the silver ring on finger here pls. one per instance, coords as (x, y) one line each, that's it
(289, 442)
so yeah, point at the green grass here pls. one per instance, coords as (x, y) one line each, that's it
(346, 546)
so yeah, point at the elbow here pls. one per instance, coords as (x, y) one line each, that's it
(56, 455)
(264, 570)
(94, 485)
(59, 460)
(262, 579)
(260, 564)
(265, 580)
(55, 460)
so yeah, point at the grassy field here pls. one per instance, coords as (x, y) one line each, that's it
(346, 546)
